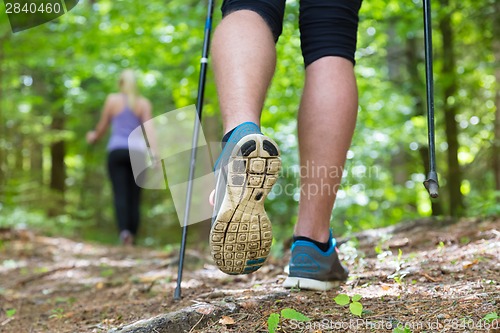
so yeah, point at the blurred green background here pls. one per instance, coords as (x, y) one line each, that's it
(54, 79)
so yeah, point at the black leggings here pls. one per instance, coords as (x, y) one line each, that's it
(126, 192)
(327, 27)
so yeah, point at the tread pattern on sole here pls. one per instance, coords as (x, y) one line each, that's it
(241, 235)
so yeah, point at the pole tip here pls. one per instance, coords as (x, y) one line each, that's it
(177, 293)
(432, 187)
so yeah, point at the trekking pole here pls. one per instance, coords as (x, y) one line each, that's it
(431, 184)
(197, 124)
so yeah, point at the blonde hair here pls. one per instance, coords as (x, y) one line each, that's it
(128, 86)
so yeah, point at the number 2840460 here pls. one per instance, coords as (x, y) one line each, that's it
(33, 8)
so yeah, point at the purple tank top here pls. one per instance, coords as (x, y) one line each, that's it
(121, 126)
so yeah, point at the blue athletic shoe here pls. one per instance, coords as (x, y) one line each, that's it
(241, 234)
(311, 268)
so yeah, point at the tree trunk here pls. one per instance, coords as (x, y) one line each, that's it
(496, 53)
(36, 162)
(36, 148)
(18, 147)
(3, 127)
(449, 83)
(58, 170)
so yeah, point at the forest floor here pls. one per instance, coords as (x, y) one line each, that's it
(428, 275)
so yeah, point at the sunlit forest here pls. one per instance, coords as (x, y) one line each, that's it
(54, 79)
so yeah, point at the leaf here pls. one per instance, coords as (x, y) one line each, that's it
(10, 312)
(469, 264)
(401, 329)
(293, 314)
(356, 308)
(490, 317)
(356, 297)
(226, 320)
(342, 299)
(272, 322)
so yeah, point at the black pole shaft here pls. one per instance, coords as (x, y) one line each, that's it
(194, 144)
(431, 184)
(430, 83)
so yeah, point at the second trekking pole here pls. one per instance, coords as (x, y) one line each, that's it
(196, 133)
(431, 183)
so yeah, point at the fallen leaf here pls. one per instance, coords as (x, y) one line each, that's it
(469, 264)
(226, 320)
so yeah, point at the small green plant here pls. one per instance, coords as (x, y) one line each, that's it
(399, 274)
(464, 240)
(107, 272)
(63, 300)
(382, 246)
(274, 318)
(10, 313)
(490, 317)
(57, 313)
(355, 306)
(401, 329)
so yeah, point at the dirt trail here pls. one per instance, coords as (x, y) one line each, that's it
(444, 279)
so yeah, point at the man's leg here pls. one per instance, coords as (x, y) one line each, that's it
(244, 58)
(327, 119)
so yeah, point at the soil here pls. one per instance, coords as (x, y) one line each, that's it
(428, 276)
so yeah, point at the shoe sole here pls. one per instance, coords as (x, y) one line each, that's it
(310, 284)
(241, 234)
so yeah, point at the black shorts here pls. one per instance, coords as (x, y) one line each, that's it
(327, 27)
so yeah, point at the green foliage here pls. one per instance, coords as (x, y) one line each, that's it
(355, 306)
(293, 314)
(65, 300)
(10, 312)
(273, 322)
(399, 274)
(57, 313)
(490, 317)
(107, 272)
(342, 299)
(68, 66)
(401, 329)
(274, 318)
(20, 217)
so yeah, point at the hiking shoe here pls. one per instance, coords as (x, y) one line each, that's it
(311, 268)
(126, 238)
(241, 235)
